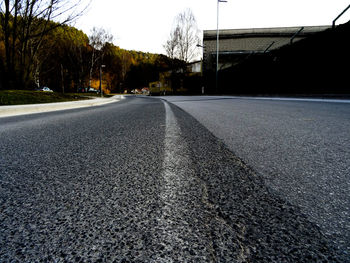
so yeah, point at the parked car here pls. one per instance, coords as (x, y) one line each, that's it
(45, 89)
(145, 91)
(93, 90)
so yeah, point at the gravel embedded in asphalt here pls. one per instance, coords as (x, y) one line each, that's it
(299, 148)
(137, 182)
(251, 223)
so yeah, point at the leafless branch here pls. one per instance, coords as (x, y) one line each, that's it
(183, 38)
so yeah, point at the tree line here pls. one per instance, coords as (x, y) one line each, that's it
(68, 61)
(36, 52)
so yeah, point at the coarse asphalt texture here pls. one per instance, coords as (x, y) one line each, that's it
(140, 181)
(299, 146)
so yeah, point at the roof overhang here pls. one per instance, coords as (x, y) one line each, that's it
(263, 32)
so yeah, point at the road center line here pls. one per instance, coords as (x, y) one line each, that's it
(182, 228)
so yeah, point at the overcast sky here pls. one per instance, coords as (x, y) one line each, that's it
(144, 25)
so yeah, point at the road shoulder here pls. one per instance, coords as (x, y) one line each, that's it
(16, 110)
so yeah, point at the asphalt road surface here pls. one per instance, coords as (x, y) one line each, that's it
(142, 180)
(300, 147)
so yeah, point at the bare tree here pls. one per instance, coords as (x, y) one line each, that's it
(172, 43)
(184, 37)
(98, 39)
(24, 24)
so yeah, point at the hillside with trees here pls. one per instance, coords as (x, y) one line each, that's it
(37, 52)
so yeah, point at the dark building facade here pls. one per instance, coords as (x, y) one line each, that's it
(238, 44)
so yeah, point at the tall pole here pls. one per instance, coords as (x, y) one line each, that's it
(101, 66)
(217, 46)
(100, 88)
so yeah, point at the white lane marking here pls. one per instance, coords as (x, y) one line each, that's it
(180, 99)
(295, 99)
(181, 226)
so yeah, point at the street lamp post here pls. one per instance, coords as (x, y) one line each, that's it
(102, 66)
(202, 46)
(217, 45)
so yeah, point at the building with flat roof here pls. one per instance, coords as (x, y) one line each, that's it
(237, 44)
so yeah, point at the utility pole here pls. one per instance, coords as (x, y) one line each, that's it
(217, 45)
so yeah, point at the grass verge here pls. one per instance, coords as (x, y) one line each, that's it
(18, 97)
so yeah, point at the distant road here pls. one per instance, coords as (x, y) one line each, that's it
(141, 180)
(301, 147)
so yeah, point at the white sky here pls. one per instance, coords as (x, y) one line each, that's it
(144, 25)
